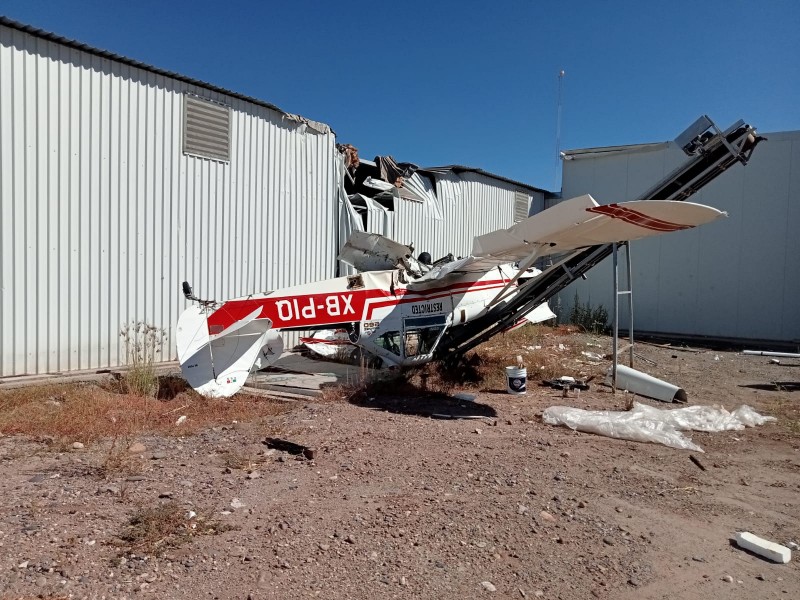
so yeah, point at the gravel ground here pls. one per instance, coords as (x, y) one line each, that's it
(397, 504)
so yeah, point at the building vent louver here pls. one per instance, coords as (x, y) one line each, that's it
(521, 206)
(206, 128)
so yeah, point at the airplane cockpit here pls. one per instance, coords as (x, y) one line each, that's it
(414, 345)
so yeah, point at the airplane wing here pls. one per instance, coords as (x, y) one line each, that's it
(573, 224)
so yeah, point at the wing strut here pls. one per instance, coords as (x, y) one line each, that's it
(524, 265)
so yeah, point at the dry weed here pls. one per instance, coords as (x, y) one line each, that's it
(142, 343)
(88, 412)
(237, 460)
(788, 414)
(357, 384)
(119, 461)
(546, 352)
(152, 529)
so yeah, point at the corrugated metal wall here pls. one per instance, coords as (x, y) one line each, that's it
(103, 216)
(472, 204)
(735, 278)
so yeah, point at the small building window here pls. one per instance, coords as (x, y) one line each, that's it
(206, 128)
(521, 206)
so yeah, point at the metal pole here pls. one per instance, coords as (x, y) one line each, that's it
(630, 302)
(558, 128)
(614, 340)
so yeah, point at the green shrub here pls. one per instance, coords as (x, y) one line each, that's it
(592, 320)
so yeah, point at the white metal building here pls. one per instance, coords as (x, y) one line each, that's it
(119, 180)
(738, 278)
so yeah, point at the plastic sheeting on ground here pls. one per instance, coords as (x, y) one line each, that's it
(660, 426)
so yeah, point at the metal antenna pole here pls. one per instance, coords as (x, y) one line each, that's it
(558, 127)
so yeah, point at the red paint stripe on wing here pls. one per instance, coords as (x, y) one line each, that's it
(634, 217)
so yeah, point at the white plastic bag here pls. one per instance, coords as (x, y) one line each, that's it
(660, 426)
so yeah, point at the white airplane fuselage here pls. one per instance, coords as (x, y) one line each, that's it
(399, 321)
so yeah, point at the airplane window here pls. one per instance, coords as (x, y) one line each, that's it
(421, 341)
(391, 341)
(412, 343)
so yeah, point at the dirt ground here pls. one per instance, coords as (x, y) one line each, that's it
(398, 504)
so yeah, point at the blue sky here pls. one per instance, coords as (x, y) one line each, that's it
(469, 82)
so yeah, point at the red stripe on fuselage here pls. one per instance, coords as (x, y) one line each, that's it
(311, 310)
(426, 298)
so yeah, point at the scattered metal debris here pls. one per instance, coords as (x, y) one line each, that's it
(647, 360)
(290, 447)
(764, 353)
(646, 385)
(568, 383)
(696, 461)
(671, 347)
(769, 550)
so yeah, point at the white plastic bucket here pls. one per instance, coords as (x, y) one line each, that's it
(517, 380)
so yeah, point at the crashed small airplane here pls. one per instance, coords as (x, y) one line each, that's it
(399, 307)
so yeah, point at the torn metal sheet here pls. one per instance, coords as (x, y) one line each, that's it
(329, 342)
(373, 252)
(420, 189)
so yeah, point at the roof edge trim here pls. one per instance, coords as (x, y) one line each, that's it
(462, 169)
(47, 35)
(582, 152)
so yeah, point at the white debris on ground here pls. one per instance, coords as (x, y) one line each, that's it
(770, 550)
(660, 426)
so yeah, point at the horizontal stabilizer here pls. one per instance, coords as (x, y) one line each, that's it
(217, 365)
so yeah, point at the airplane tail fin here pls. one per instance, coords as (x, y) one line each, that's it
(217, 365)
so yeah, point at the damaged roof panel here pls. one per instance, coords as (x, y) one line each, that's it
(458, 169)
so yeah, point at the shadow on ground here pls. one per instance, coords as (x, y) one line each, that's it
(775, 386)
(424, 404)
